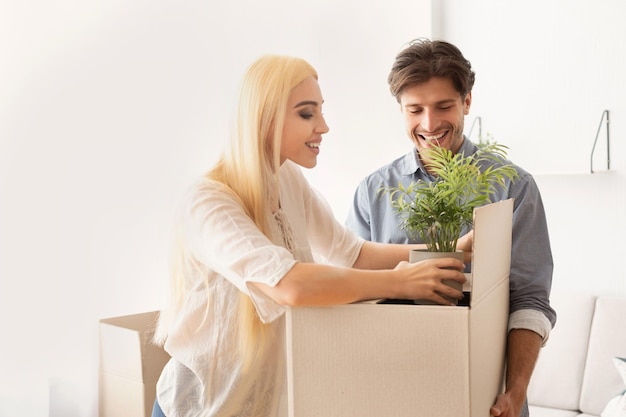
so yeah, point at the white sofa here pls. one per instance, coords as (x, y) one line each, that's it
(575, 374)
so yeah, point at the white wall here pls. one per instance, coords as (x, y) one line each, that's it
(546, 70)
(108, 109)
(587, 226)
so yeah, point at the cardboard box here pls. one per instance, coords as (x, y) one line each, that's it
(130, 365)
(369, 359)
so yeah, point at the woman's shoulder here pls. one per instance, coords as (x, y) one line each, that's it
(207, 192)
(206, 184)
(199, 186)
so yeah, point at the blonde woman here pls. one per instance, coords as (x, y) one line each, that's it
(255, 238)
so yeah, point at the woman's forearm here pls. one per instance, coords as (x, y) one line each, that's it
(383, 256)
(315, 284)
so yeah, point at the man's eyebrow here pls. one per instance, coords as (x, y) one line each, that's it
(306, 103)
(446, 101)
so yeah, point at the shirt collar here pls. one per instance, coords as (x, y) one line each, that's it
(411, 163)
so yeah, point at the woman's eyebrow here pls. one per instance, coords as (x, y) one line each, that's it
(306, 103)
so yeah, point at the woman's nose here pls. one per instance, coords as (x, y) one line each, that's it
(323, 127)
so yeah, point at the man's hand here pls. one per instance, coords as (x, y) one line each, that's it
(505, 406)
(522, 352)
(465, 243)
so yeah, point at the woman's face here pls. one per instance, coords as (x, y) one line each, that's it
(304, 125)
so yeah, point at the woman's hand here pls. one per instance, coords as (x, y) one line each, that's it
(423, 280)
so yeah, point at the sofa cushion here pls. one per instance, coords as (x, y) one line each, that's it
(558, 375)
(602, 381)
(617, 406)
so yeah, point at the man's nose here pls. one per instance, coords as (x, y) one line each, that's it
(429, 121)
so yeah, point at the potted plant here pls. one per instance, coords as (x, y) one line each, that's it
(436, 212)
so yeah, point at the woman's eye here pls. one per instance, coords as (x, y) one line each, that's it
(306, 116)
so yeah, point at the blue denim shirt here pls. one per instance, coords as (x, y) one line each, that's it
(372, 217)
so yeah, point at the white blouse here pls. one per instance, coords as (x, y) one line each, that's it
(223, 244)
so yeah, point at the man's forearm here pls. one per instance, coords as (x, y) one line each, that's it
(522, 351)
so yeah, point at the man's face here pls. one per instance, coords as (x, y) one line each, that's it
(433, 114)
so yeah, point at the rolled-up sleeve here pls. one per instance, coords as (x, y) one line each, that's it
(531, 320)
(221, 236)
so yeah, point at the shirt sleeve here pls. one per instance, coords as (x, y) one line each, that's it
(358, 219)
(220, 235)
(314, 221)
(531, 260)
(334, 243)
(531, 320)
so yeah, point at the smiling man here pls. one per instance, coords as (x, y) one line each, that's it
(432, 81)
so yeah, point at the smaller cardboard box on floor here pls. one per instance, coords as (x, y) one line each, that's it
(130, 365)
(373, 360)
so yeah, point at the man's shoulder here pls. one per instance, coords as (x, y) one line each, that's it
(523, 175)
(392, 170)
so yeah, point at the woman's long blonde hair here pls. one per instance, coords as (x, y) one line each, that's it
(249, 168)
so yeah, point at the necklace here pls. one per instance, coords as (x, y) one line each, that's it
(285, 230)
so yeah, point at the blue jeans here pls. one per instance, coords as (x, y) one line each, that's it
(156, 410)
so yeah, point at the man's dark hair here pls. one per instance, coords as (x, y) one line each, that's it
(423, 59)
